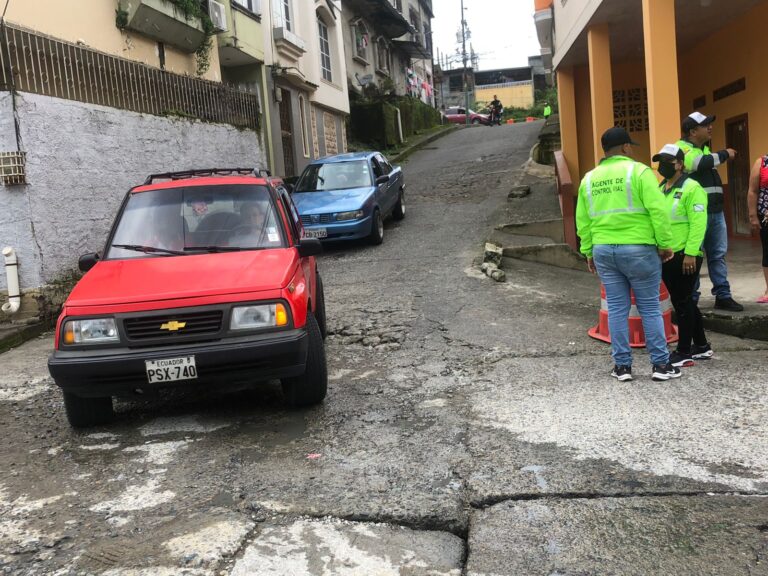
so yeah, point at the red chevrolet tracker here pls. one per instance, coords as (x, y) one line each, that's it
(205, 279)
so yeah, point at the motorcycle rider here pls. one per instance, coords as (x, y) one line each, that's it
(496, 109)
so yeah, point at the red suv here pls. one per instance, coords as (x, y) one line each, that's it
(205, 279)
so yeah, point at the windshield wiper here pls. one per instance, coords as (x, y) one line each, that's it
(148, 249)
(211, 249)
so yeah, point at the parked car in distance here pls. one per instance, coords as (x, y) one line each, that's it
(206, 279)
(348, 196)
(458, 115)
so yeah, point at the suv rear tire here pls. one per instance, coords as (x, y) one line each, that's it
(85, 412)
(309, 388)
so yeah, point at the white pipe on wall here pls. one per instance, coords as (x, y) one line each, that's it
(12, 274)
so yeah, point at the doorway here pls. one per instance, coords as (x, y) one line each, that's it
(287, 133)
(737, 137)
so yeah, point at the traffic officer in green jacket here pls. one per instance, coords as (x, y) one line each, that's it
(701, 163)
(623, 223)
(686, 203)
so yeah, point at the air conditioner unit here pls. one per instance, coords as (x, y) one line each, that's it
(218, 15)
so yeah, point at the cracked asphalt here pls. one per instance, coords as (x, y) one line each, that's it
(471, 428)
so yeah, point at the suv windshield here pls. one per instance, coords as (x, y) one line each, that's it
(334, 176)
(194, 219)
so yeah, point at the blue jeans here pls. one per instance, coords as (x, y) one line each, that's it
(715, 248)
(625, 266)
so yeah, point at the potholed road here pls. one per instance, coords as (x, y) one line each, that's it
(470, 428)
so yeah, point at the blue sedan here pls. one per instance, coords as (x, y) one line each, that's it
(348, 196)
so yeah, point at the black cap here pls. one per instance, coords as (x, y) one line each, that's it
(616, 136)
(696, 119)
(669, 152)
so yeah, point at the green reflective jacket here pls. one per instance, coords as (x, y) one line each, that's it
(620, 203)
(686, 202)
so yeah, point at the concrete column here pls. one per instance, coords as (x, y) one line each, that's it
(661, 72)
(569, 135)
(601, 84)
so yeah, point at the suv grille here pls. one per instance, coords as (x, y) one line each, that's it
(324, 219)
(195, 324)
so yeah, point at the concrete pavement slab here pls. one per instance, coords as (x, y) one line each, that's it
(684, 536)
(328, 547)
(564, 426)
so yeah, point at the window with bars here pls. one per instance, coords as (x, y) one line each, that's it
(325, 50)
(630, 109)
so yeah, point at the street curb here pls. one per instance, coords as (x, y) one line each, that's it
(754, 327)
(408, 151)
(23, 333)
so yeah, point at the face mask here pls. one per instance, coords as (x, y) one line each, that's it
(667, 169)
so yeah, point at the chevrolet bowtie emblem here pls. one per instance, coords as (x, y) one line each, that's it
(173, 326)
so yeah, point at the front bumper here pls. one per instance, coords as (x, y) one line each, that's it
(231, 361)
(353, 230)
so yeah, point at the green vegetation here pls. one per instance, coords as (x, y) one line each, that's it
(190, 9)
(373, 117)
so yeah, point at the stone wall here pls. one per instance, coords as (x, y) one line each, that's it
(81, 160)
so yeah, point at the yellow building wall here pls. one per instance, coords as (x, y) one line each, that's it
(734, 52)
(510, 96)
(93, 22)
(629, 76)
(626, 76)
(584, 121)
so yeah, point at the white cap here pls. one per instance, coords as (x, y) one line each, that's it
(669, 151)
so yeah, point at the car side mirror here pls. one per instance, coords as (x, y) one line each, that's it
(382, 179)
(310, 247)
(88, 261)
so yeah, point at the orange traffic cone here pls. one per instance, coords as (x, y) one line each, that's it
(636, 332)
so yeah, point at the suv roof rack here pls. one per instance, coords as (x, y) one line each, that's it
(204, 172)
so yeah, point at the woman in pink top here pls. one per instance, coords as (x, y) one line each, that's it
(757, 202)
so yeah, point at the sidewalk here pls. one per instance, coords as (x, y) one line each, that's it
(527, 230)
(745, 274)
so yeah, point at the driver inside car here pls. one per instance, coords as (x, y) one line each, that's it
(257, 228)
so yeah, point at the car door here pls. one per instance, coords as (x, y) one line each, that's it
(384, 194)
(381, 189)
(393, 189)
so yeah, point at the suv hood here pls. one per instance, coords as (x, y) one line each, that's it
(177, 277)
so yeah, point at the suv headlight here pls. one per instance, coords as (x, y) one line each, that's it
(354, 215)
(258, 316)
(91, 331)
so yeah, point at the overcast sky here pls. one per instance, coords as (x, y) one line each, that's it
(503, 32)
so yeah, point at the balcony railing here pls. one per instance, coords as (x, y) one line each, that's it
(30, 62)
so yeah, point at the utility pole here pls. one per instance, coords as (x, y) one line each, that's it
(464, 60)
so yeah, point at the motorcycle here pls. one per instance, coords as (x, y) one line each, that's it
(495, 116)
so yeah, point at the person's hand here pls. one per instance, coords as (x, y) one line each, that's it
(689, 265)
(731, 153)
(591, 266)
(666, 254)
(754, 222)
